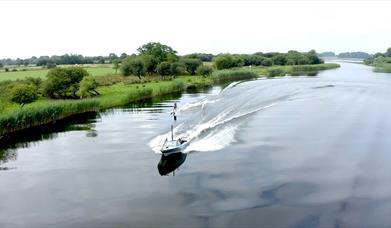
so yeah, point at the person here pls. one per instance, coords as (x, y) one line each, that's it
(175, 106)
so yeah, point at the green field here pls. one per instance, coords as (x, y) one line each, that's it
(95, 70)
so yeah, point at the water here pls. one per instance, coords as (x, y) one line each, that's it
(284, 152)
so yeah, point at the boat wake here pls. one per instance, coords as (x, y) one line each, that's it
(212, 123)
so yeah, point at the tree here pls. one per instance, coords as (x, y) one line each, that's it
(150, 63)
(112, 57)
(133, 65)
(116, 65)
(164, 69)
(191, 65)
(1, 66)
(267, 62)
(224, 61)
(36, 83)
(177, 68)
(123, 56)
(204, 70)
(23, 94)
(313, 57)
(160, 51)
(64, 82)
(388, 52)
(88, 87)
(279, 59)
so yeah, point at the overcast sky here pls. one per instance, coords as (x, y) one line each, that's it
(101, 27)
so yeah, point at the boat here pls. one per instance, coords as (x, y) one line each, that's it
(170, 163)
(173, 146)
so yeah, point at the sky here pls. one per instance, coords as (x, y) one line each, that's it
(91, 28)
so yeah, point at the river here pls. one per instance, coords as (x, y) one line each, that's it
(283, 152)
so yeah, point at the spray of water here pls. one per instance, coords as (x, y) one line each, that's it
(214, 120)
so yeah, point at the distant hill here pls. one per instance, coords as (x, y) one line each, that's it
(327, 54)
(357, 55)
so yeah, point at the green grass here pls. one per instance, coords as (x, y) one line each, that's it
(95, 70)
(233, 74)
(294, 70)
(383, 68)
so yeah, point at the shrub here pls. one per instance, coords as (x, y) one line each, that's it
(204, 70)
(6, 69)
(267, 62)
(133, 65)
(64, 82)
(88, 87)
(36, 82)
(276, 72)
(227, 61)
(191, 65)
(177, 68)
(164, 69)
(23, 94)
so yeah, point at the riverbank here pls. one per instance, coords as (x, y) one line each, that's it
(45, 111)
(382, 68)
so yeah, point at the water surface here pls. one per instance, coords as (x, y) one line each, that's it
(284, 152)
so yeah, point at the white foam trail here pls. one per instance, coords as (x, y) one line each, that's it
(201, 103)
(216, 140)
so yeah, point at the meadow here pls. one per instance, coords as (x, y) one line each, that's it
(23, 72)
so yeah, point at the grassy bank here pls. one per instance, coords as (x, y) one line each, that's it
(383, 68)
(121, 91)
(44, 111)
(22, 73)
(233, 75)
(296, 70)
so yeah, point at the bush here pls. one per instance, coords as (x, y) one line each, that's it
(177, 69)
(204, 70)
(64, 82)
(36, 82)
(23, 94)
(6, 69)
(88, 87)
(191, 65)
(267, 62)
(164, 69)
(227, 61)
(276, 72)
(133, 65)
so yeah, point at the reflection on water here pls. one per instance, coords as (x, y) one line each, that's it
(23, 139)
(169, 163)
(6, 156)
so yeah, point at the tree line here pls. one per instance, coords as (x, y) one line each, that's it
(379, 58)
(67, 59)
(151, 59)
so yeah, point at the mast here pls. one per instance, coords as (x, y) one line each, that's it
(172, 133)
